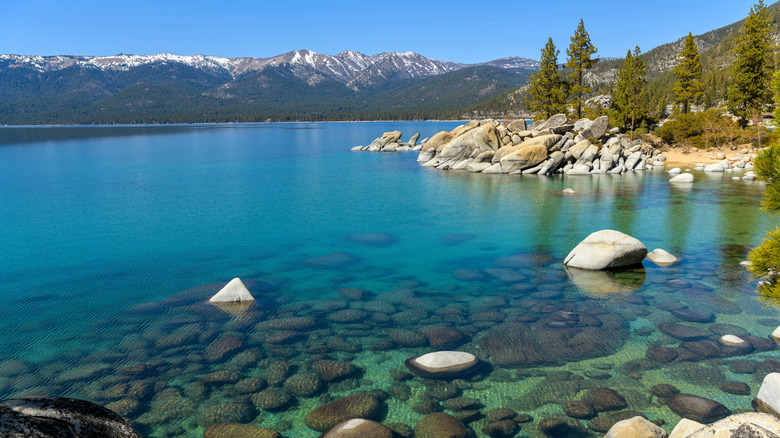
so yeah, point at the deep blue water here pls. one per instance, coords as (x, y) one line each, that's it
(103, 228)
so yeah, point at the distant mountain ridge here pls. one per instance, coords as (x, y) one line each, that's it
(297, 85)
(345, 66)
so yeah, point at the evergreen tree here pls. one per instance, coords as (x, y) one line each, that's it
(749, 90)
(547, 90)
(688, 86)
(630, 96)
(776, 91)
(765, 258)
(580, 51)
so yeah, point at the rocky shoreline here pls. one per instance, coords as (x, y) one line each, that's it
(546, 147)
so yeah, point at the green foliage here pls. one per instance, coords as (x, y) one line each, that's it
(765, 258)
(579, 61)
(629, 99)
(776, 91)
(705, 129)
(749, 90)
(688, 86)
(765, 263)
(547, 95)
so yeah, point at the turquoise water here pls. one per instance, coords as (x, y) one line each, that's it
(113, 238)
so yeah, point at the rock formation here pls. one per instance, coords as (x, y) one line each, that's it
(555, 145)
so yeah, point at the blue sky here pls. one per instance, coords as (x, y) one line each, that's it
(460, 31)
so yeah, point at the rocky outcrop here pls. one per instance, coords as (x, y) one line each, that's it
(44, 417)
(555, 145)
(391, 142)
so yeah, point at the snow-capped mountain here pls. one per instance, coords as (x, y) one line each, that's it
(349, 67)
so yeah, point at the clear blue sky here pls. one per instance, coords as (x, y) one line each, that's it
(460, 31)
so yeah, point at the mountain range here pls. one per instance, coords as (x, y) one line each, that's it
(298, 85)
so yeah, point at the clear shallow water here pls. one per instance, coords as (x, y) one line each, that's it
(113, 239)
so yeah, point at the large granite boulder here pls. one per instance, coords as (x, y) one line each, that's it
(360, 405)
(434, 145)
(553, 122)
(728, 427)
(524, 158)
(606, 249)
(386, 139)
(768, 398)
(480, 139)
(44, 417)
(233, 292)
(597, 129)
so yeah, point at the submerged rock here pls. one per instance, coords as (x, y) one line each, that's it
(235, 430)
(442, 364)
(696, 408)
(361, 405)
(606, 249)
(661, 258)
(359, 428)
(440, 425)
(234, 291)
(60, 418)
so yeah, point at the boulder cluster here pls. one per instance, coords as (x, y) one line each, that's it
(546, 147)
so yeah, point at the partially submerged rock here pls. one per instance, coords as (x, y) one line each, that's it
(768, 398)
(442, 364)
(606, 249)
(233, 292)
(44, 417)
(682, 178)
(661, 257)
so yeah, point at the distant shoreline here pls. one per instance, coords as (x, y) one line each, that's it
(130, 125)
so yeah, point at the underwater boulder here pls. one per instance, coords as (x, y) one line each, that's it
(442, 364)
(697, 408)
(440, 425)
(359, 428)
(360, 405)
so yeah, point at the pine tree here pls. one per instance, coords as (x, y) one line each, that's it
(776, 91)
(630, 96)
(688, 86)
(765, 258)
(547, 90)
(580, 51)
(749, 90)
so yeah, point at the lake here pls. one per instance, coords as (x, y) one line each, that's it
(114, 238)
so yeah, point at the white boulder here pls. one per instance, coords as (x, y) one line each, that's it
(684, 428)
(675, 171)
(661, 257)
(727, 427)
(733, 341)
(768, 398)
(606, 249)
(682, 178)
(442, 364)
(715, 167)
(233, 292)
(776, 335)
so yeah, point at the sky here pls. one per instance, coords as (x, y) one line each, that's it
(455, 30)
